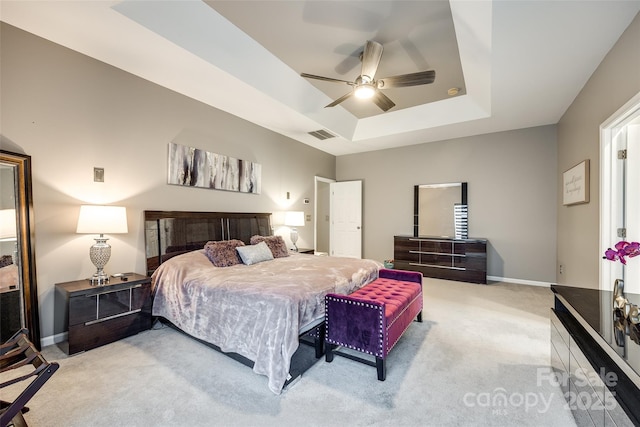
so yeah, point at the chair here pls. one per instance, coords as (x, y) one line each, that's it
(15, 353)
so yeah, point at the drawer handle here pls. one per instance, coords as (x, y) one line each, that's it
(437, 266)
(104, 319)
(438, 253)
(433, 240)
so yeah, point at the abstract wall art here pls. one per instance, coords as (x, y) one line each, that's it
(193, 167)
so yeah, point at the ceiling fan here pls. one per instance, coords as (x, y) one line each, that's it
(366, 86)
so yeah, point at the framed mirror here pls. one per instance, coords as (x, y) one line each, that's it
(440, 210)
(18, 290)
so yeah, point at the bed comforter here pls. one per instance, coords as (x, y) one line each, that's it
(255, 310)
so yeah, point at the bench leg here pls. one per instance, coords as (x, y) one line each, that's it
(382, 368)
(319, 342)
(420, 317)
(319, 345)
(328, 352)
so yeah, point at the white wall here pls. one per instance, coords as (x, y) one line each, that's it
(71, 113)
(511, 180)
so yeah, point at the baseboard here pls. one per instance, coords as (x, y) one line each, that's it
(53, 339)
(518, 281)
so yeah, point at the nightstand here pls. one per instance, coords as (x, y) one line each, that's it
(306, 251)
(99, 315)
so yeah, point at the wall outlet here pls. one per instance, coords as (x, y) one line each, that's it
(561, 268)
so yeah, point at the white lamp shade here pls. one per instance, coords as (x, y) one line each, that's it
(8, 224)
(294, 219)
(95, 219)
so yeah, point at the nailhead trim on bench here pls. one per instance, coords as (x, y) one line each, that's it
(380, 309)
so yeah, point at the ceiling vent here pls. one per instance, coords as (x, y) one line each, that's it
(322, 134)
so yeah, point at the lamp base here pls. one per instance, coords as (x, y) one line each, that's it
(99, 279)
(294, 239)
(100, 253)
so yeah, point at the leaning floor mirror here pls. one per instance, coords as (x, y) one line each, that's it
(18, 293)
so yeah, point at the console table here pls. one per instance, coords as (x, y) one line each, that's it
(464, 260)
(596, 354)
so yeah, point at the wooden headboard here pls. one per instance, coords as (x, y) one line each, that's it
(170, 233)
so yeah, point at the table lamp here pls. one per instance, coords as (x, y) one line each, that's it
(294, 219)
(94, 219)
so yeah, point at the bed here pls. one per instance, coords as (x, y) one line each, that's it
(257, 311)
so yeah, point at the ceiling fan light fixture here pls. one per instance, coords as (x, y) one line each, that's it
(364, 91)
(365, 87)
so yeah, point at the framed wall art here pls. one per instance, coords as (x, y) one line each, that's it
(193, 167)
(575, 184)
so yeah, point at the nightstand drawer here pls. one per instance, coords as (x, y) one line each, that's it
(94, 335)
(94, 307)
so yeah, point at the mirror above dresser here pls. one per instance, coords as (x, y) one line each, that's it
(441, 210)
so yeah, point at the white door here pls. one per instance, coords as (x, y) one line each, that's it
(619, 198)
(632, 205)
(346, 219)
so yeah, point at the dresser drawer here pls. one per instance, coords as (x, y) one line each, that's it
(439, 260)
(437, 246)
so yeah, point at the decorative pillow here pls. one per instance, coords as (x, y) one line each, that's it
(223, 253)
(255, 253)
(276, 244)
(8, 260)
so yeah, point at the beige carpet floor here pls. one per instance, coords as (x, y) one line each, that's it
(476, 360)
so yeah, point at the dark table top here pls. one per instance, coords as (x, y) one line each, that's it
(596, 308)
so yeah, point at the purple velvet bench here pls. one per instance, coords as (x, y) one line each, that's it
(372, 319)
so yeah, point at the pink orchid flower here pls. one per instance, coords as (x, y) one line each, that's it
(623, 249)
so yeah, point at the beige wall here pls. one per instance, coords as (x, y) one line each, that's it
(512, 195)
(71, 113)
(615, 81)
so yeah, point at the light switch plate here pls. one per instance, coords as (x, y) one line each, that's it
(98, 174)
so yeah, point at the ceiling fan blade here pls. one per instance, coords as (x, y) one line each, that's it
(382, 101)
(327, 79)
(339, 100)
(405, 80)
(371, 58)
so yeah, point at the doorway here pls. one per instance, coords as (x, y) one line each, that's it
(322, 215)
(338, 218)
(619, 195)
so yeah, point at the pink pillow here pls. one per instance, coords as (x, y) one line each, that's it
(223, 253)
(275, 243)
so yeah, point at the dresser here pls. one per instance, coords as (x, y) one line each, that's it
(98, 315)
(595, 356)
(463, 260)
